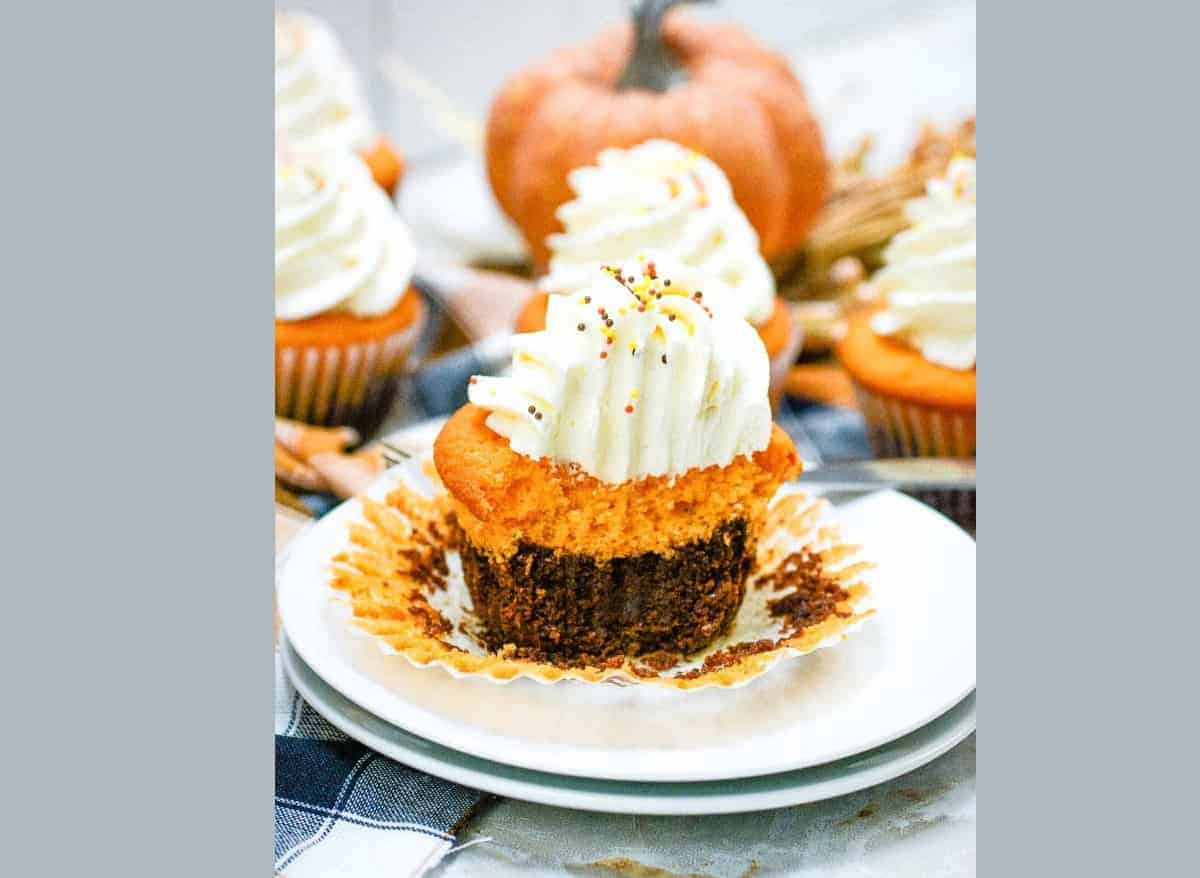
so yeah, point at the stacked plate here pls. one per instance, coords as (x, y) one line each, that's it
(897, 693)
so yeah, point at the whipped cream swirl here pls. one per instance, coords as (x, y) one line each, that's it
(929, 273)
(319, 103)
(659, 196)
(640, 373)
(339, 245)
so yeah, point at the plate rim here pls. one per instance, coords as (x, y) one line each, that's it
(660, 798)
(337, 681)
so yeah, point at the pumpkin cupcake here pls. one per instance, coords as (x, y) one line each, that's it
(911, 351)
(611, 491)
(346, 316)
(663, 197)
(319, 102)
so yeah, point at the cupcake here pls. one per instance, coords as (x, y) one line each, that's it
(610, 492)
(675, 201)
(346, 315)
(911, 351)
(319, 103)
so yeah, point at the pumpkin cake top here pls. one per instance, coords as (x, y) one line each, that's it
(660, 196)
(647, 371)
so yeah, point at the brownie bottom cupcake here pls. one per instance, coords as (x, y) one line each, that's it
(566, 568)
(572, 605)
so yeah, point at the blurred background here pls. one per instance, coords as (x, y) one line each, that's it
(871, 67)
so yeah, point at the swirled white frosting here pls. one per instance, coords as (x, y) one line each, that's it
(319, 103)
(634, 377)
(339, 245)
(929, 275)
(659, 196)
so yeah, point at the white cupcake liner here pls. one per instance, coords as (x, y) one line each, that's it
(400, 525)
(336, 384)
(901, 429)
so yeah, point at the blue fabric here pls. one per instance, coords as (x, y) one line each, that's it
(323, 778)
(824, 433)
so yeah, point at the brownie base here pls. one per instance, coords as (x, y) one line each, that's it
(577, 609)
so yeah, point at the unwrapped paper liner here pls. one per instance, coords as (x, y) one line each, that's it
(401, 575)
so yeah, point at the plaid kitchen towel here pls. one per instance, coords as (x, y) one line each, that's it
(342, 809)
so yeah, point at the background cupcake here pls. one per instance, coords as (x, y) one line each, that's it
(346, 316)
(660, 196)
(912, 352)
(711, 87)
(319, 102)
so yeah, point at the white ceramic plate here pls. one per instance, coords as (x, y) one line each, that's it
(712, 797)
(909, 664)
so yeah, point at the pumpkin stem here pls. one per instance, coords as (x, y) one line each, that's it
(652, 65)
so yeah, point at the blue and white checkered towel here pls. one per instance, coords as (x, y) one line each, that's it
(342, 809)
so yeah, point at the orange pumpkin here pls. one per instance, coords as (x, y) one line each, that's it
(712, 88)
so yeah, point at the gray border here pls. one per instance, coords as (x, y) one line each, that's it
(138, 362)
(1087, 612)
(137, 359)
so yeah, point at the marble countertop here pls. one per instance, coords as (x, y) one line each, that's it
(920, 824)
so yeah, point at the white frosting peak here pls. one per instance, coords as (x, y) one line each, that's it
(929, 275)
(634, 376)
(339, 245)
(319, 103)
(663, 197)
